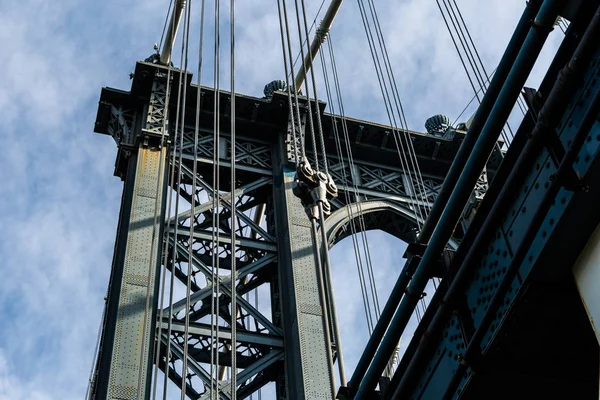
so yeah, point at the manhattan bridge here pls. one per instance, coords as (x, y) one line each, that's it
(227, 195)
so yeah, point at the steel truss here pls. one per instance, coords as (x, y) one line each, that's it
(273, 241)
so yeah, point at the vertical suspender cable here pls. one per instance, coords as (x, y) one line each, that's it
(164, 251)
(194, 183)
(409, 153)
(478, 67)
(391, 116)
(462, 32)
(399, 109)
(409, 150)
(357, 255)
(174, 167)
(186, 324)
(362, 278)
(322, 295)
(233, 211)
(308, 103)
(314, 84)
(214, 390)
(288, 88)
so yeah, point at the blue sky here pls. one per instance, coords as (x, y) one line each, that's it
(59, 203)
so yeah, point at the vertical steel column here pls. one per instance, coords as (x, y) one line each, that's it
(308, 372)
(125, 363)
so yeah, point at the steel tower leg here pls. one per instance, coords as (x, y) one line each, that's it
(125, 360)
(308, 372)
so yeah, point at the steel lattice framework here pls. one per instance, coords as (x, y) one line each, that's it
(274, 246)
(504, 240)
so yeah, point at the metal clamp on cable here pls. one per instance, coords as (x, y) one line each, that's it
(312, 187)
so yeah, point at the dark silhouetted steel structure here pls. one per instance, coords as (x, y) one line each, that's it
(506, 321)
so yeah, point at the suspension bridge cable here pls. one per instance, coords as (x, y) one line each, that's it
(162, 35)
(292, 88)
(171, 172)
(391, 116)
(458, 51)
(481, 89)
(186, 324)
(312, 26)
(456, 25)
(314, 84)
(400, 147)
(326, 291)
(411, 154)
(463, 42)
(358, 258)
(357, 255)
(309, 107)
(352, 167)
(217, 203)
(194, 184)
(256, 306)
(462, 32)
(462, 25)
(338, 149)
(362, 279)
(287, 87)
(234, 310)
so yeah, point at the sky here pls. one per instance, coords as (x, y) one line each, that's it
(60, 202)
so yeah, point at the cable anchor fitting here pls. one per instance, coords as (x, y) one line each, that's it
(312, 187)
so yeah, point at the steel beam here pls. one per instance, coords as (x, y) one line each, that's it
(319, 39)
(127, 343)
(194, 328)
(171, 32)
(308, 372)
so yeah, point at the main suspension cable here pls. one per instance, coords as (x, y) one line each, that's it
(312, 26)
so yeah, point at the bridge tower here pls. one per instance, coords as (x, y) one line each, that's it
(282, 336)
(211, 218)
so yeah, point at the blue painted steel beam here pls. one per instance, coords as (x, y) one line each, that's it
(427, 334)
(523, 64)
(561, 178)
(578, 71)
(448, 185)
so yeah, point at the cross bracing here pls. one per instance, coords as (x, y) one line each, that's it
(260, 330)
(257, 207)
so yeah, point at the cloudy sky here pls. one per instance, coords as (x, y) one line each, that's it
(59, 202)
